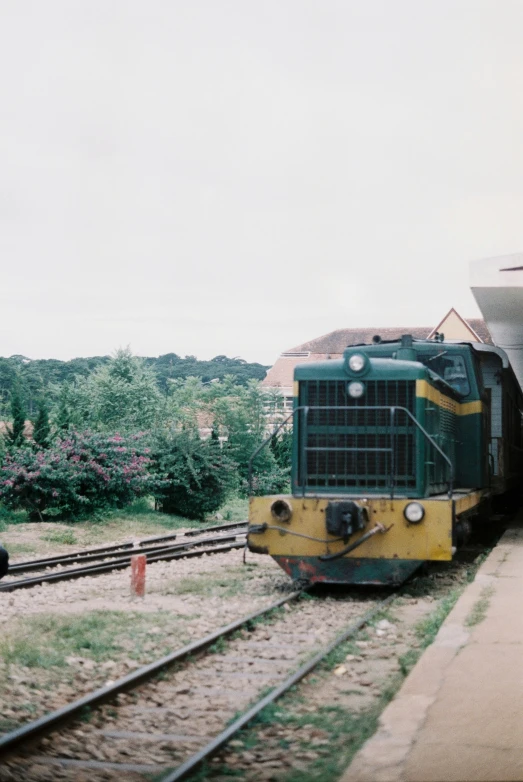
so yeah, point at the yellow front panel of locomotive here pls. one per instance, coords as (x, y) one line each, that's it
(306, 535)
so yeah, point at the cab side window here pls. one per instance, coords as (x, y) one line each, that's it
(451, 368)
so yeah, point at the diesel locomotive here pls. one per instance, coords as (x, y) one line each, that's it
(398, 449)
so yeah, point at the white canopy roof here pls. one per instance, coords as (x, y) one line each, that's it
(497, 285)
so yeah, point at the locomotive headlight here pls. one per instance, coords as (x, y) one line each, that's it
(356, 362)
(356, 389)
(414, 512)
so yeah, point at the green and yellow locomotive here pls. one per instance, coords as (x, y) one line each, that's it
(397, 449)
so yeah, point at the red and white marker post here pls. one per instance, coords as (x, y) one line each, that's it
(138, 563)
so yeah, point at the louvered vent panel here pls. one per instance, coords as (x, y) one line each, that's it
(347, 446)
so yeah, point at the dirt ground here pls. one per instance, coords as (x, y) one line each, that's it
(30, 540)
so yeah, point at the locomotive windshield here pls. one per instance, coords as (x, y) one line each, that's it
(451, 368)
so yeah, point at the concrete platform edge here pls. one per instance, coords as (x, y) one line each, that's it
(384, 756)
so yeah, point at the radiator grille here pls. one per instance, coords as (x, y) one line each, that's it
(356, 448)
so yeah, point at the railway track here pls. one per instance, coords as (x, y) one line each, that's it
(167, 726)
(109, 558)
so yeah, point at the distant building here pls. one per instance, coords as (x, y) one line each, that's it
(331, 346)
(6, 425)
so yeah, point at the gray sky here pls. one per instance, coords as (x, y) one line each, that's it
(240, 176)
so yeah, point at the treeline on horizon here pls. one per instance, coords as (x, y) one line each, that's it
(37, 378)
(129, 428)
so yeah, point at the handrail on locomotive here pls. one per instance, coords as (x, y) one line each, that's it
(304, 409)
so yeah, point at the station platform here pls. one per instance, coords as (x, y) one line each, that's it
(459, 715)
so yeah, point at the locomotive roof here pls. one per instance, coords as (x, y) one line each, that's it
(479, 347)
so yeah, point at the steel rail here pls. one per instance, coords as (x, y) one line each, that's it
(71, 559)
(35, 564)
(46, 724)
(219, 741)
(164, 555)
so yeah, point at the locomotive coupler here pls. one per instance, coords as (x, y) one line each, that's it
(345, 518)
(378, 528)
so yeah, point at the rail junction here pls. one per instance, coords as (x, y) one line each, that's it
(106, 559)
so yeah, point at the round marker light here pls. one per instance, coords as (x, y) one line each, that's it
(414, 512)
(356, 389)
(356, 362)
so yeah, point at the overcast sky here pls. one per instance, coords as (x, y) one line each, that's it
(240, 176)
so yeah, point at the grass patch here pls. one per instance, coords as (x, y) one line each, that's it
(137, 520)
(338, 655)
(21, 548)
(479, 609)
(225, 586)
(61, 536)
(219, 646)
(408, 660)
(9, 517)
(142, 512)
(46, 640)
(228, 583)
(25, 650)
(428, 628)
(235, 509)
(346, 732)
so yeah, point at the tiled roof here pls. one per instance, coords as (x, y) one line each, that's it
(282, 373)
(480, 327)
(337, 341)
(332, 346)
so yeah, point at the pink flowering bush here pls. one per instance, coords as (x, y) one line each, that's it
(78, 475)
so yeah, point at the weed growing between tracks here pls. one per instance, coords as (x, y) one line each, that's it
(427, 629)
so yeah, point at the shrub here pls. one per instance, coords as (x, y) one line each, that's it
(196, 476)
(276, 481)
(76, 476)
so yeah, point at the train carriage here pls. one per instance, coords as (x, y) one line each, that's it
(397, 449)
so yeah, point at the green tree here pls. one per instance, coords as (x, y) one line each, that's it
(281, 446)
(63, 418)
(244, 413)
(69, 407)
(42, 427)
(15, 432)
(121, 395)
(33, 385)
(8, 377)
(196, 474)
